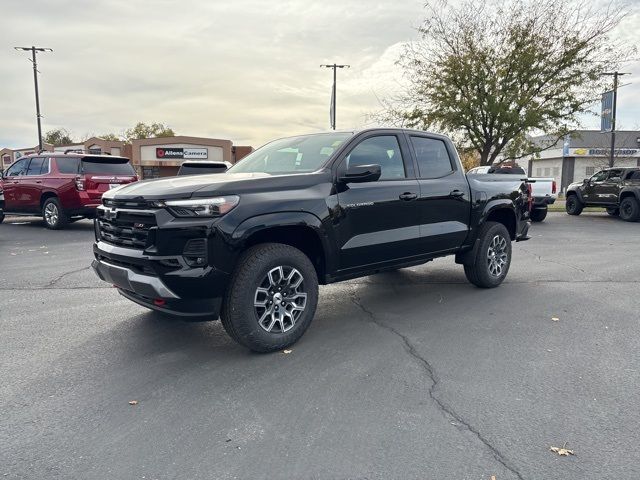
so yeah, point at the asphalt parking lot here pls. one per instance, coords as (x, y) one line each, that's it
(413, 374)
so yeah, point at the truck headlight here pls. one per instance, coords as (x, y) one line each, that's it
(203, 207)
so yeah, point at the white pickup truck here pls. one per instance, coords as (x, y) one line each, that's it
(543, 190)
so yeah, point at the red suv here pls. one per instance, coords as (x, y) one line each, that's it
(62, 187)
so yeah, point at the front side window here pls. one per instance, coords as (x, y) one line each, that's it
(384, 151)
(292, 155)
(433, 157)
(600, 176)
(18, 168)
(35, 166)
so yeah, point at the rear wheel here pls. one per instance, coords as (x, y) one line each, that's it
(539, 214)
(493, 257)
(272, 297)
(614, 212)
(573, 205)
(630, 209)
(54, 216)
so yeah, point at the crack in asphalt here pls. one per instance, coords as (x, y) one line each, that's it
(442, 406)
(562, 264)
(60, 277)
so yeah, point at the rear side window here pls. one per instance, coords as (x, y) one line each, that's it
(615, 174)
(37, 165)
(634, 175)
(433, 157)
(108, 166)
(68, 164)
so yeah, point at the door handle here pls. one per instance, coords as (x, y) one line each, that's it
(38, 181)
(456, 194)
(408, 196)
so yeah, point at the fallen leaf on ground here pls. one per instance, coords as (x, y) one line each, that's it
(555, 319)
(286, 351)
(133, 402)
(563, 452)
(493, 477)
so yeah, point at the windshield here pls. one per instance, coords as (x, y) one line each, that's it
(291, 155)
(112, 166)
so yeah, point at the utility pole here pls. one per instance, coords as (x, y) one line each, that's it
(35, 82)
(332, 109)
(615, 76)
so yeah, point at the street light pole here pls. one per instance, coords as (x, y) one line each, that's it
(35, 83)
(615, 75)
(332, 110)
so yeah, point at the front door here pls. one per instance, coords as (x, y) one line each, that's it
(610, 188)
(379, 221)
(593, 188)
(11, 185)
(444, 195)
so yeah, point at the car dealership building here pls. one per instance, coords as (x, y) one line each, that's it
(581, 154)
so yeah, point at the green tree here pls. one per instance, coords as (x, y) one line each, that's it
(143, 130)
(110, 136)
(493, 74)
(58, 137)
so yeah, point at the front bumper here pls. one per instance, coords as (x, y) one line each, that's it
(181, 291)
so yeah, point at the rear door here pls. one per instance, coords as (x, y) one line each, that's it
(444, 202)
(31, 183)
(11, 185)
(379, 221)
(103, 173)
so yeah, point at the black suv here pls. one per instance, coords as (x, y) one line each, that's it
(252, 244)
(616, 189)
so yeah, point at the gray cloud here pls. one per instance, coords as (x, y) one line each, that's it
(246, 70)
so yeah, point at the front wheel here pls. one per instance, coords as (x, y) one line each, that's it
(573, 205)
(539, 214)
(272, 297)
(629, 209)
(54, 217)
(493, 256)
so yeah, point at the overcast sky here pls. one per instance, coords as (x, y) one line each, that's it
(245, 70)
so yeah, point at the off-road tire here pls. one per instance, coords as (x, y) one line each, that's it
(53, 215)
(478, 272)
(573, 205)
(629, 209)
(538, 214)
(239, 317)
(614, 212)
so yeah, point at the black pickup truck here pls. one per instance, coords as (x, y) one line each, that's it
(616, 189)
(251, 245)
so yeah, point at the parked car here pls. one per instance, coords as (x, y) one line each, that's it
(616, 189)
(200, 167)
(62, 187)
(252, 245)
(544, 191)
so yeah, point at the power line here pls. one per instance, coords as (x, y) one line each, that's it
(332, 109)
(35, 82)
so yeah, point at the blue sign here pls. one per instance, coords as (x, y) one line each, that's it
(606, 111)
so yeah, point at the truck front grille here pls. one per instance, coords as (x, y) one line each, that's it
(125, 228)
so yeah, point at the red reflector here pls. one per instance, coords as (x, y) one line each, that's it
(553, 187)
(159, 302)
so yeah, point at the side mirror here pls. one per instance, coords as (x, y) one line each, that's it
(585, 181)
(361, 174)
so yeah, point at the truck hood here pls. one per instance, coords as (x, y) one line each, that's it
(199, 186)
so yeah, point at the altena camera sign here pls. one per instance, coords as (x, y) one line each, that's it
(169, 153)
